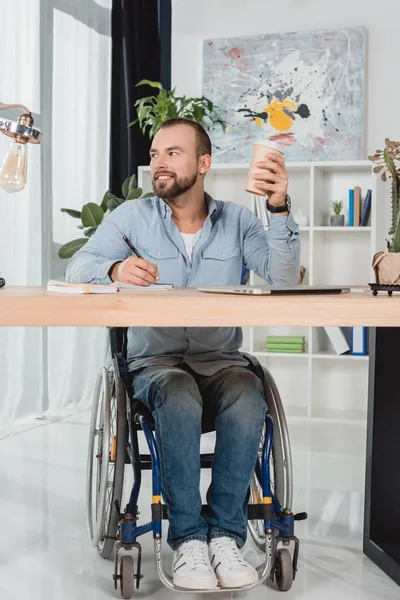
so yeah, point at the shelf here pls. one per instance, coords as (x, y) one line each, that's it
(332, 165)
(327, 228)
(331, 355)
(318, 355)
(282, 354)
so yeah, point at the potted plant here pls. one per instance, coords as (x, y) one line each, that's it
(337, 220)
(152, 111)
(387, 264)
(92, 214)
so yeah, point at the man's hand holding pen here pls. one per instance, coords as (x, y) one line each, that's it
(136, 271)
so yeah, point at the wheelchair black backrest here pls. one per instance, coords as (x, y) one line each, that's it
(119, 341)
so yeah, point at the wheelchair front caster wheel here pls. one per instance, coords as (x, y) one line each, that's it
(127, 577)
(284, 570)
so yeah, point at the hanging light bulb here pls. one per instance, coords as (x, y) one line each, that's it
(14, 169)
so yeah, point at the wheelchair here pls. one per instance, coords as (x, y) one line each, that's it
(116, 419)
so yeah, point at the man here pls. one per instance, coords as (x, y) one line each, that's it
(189, 239)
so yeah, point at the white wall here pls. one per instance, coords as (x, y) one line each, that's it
(194, 21)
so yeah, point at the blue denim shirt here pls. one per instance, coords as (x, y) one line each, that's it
(232, 237)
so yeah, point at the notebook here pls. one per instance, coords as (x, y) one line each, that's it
(63, 287)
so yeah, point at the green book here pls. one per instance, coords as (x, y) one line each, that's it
(285, 346)
(276, 345)
(286, 350)
(286, 339)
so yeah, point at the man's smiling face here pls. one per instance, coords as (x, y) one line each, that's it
(174, 162)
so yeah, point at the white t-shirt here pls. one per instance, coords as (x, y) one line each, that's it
(190, 240)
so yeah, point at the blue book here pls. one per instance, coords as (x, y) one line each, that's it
(366, 209)
(358, 343)
(351, 208)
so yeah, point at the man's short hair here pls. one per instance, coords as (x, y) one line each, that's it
(203, 142)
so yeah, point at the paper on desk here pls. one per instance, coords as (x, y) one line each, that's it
(62, 287)
(141, 288)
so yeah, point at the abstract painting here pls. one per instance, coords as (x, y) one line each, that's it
(304, 90)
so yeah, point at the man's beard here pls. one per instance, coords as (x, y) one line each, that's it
(167, 190)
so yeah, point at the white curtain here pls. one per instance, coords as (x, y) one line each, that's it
(59, 65)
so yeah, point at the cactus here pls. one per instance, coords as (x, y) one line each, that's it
(388, 161)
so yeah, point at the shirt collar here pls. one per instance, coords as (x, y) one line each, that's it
(213, 209)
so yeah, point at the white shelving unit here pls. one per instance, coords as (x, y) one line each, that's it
(319, 384)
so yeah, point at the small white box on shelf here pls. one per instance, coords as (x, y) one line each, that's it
(338, 339)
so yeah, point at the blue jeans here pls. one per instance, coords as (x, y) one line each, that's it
(176, 396)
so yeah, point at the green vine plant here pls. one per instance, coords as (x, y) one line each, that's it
(152, 111)
(388, 161)
(92, 214)
(337, 207)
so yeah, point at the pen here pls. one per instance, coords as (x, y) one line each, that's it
(132, 247)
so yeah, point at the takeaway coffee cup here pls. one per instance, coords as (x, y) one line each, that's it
(260, 149)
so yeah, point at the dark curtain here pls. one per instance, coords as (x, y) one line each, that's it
(141, 49)
(141, 46)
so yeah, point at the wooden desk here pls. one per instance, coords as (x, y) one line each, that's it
(33, 306)
(186, 307)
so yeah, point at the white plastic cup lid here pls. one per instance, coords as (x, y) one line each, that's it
(270, 144)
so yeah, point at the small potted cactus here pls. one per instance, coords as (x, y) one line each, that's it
(387, 264)
(337, 219)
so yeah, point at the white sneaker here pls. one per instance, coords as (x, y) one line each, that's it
(191, 567)
(229, 565)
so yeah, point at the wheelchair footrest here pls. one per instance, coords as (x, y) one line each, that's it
(260, 512)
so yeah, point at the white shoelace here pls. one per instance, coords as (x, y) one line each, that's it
(230, 550)
(197, 555)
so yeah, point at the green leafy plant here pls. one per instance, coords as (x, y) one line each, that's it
(337, 207)
(388, 161)
(152, 111)
(92, 214)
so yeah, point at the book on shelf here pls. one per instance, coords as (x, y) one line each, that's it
(351, 207)
(358, 212)
(366, 209)
(358, 341)
(286, 349)
(286, 339)
(290, 344)
(357, 206)
(337, 339)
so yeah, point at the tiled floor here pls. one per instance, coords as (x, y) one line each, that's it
(45, 553)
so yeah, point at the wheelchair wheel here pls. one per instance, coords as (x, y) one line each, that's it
(127, 577)
(256, 527)
(106, 458)
(281, 461)
(284, 570)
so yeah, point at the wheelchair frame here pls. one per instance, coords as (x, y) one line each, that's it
(271, 521)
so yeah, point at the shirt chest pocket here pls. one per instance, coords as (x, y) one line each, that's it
(222, 265)
(222, 254)
(166, 259)
(162, 253)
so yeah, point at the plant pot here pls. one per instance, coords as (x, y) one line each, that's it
(336, 220)
(387, 268)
